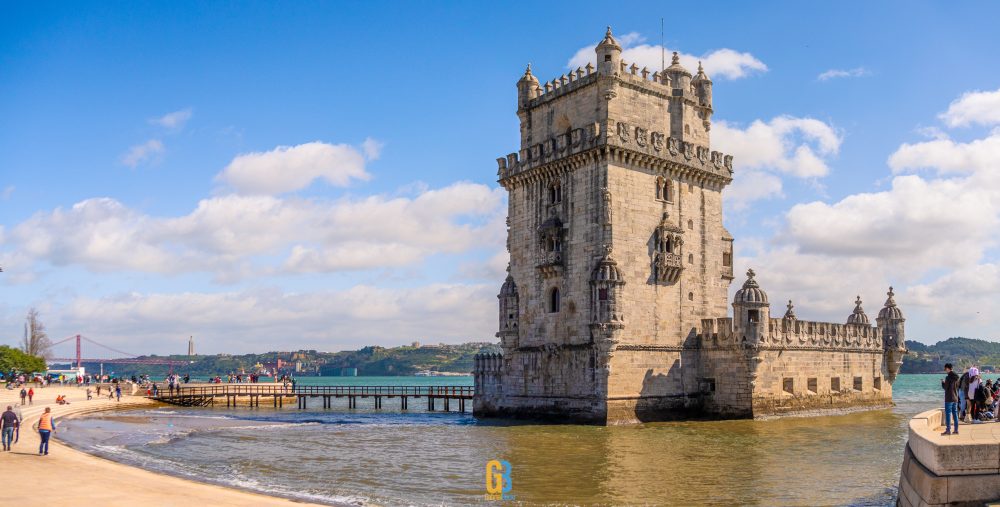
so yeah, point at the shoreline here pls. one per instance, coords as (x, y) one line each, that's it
(99, 479)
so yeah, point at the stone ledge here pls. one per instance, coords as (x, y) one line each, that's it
(974, 451)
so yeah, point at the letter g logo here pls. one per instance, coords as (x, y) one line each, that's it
(498, 477)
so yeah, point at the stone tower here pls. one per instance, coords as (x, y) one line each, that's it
(614, 165)
(191, 346)
(614, 308)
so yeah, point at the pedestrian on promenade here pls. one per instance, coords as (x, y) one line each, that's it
(31, 394)
(8, 421)
(20, 419)
(98, 390)
(89, 396)
(950, 386)
(118, 392)
(46, 427)
(24, 395)
(963, 389)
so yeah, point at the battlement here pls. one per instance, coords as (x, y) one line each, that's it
(792, 333)
(634, 138)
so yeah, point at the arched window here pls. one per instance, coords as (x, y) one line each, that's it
(690, 258)
(554, 300)
(691, 224)
(664, 189)
(555, 193)
(690, 296)
(687, 129)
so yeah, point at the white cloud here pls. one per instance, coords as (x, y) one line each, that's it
(794, 146)
(225, 234)
(372, 148)
(945, 156)
(750, 186)
(142, 153)
(842, 73)
(973, 108)
(722, 63)
(174, 120)
(260, 320)
(289, 168)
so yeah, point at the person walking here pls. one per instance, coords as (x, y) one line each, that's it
(24, 395)
(46, 427)
(118, 392)
(20, 420)
(31, 394)
(8, 421)
(950, 386)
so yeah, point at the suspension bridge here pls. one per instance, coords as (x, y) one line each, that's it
(126, 357)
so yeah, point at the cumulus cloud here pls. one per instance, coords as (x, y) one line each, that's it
(148, 151)
(174, 120)
(766, 150)
(257, 320)
(225, 233)
(946, 156)
(973, 108)
(842, 73)
(289, 168)
(722, 63)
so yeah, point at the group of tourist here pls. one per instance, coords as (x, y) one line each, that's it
(968, 398)
(10, 428)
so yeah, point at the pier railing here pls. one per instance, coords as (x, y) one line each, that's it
(252, 393)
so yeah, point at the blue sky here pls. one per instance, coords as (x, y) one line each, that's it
(320, 175)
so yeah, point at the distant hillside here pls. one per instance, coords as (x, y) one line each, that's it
(962, 352)
(372, 360)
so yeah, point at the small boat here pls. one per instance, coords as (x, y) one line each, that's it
(424, 373)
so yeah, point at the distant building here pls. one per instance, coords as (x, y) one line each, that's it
(191, 346)
(615, 308)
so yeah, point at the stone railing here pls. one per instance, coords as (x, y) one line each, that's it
(791, 334)
(550, 264)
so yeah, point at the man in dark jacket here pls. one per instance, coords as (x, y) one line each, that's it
(963, 390)
(950, 385)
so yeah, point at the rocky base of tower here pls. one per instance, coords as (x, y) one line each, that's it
(550, 409)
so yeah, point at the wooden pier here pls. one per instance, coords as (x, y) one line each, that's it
(277, 395)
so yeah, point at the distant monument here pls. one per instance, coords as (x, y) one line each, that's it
(191, 346)
(615, 305)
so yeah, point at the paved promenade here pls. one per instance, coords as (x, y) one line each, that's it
(940, 470)
(69, 477)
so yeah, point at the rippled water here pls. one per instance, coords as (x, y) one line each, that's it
(366, 457)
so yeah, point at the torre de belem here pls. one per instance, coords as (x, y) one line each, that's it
(615, 307)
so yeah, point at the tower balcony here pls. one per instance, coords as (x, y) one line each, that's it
(668, 267)
(550, 264)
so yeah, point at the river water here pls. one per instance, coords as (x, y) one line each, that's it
(364, 457)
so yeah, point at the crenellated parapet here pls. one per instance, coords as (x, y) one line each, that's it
(793, 334)
(622, 142)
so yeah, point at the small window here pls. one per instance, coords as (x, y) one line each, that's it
(607, 58)
(878, 383)
(727, 259)
(708, 385)
(835, 384)
(690, 296)
(753, 316)
(554, 300)
(811, 385)
(857, 383)
(690, 258)
(691, 224)
(690, 187)
(687, 129)
(555, 193)
(788, 385)
(602, 294)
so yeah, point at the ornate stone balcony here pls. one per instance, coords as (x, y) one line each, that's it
(550, 264)
(668, 267)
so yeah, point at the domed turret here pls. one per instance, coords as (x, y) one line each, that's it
(858, 317)
(679, 76)
(890, 311)
(527, 87)
(606, 282)
(703, 85)
(751, 291)
(609, 54)
(509, 312)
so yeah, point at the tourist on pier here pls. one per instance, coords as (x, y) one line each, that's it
(974, 382)
(8, 421)
(118, 392)
(24, 395)
(31, 394)
(46, 427)
(950, 386)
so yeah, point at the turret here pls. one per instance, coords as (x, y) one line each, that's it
(858, 317)
(679, 76)
(509, 313)
(527, 88)
(890, 320)
(751, 311)
(609, 55)
(703, 87)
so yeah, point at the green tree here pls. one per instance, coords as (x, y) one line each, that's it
(13, 360)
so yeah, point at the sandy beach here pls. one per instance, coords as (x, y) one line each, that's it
(67, 476)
